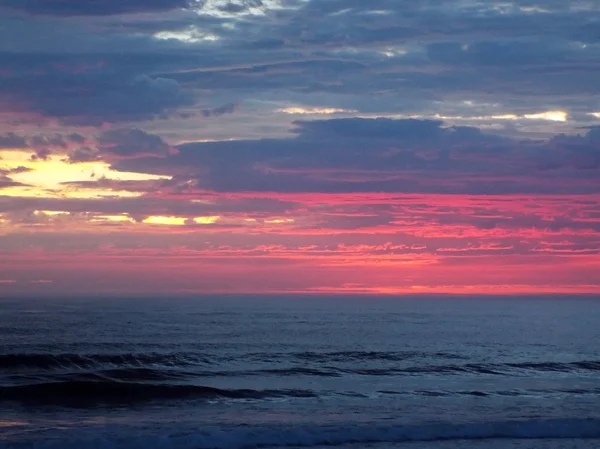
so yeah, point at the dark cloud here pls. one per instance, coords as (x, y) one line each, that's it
(147, 187)
(228, 108)
(44, 145)
(76, 138)
(240, 6)
(141, 98)
(11, 140)
(500, 53)
(146, 206)
(390, 55)
(6, 181)
(41, 154)
(14, 171)
(367, 155)
(381, 128)
(577, 151)
(84, 154)
(132, 143)
(382, 55)
(55, 141)
(92, 7)
(119, 92)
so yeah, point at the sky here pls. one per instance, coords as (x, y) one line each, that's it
(299, 146)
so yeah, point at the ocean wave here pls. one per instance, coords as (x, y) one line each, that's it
(248, 437)
(87, 392)
(334, 364)
(391, 356)
(513, 393)
(127, 387)
(66, 360)
(82, 361)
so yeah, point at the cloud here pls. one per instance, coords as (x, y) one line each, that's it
(228, 108)
(240, 6)
(84, 154)
(76, 138)
(578, 151)
(380, 128)
(141, 98)
(365, 234)
(42, 145)
(145, 206)
(130, 143)
(464, 135)
(379, 56)
(11, 140)
(91, 99)
(6, 181)
(56, 141)
(500, 53)
(14, 171)
(92, 7)
(367, 155)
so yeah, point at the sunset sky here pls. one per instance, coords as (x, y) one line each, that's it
(299, 146)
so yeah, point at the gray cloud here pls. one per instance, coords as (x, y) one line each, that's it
(382, 55)
(577, 151)
(120, 81)
(83, 154)
(75, 101)
(92, 7)
(405, 156)
(14, 171)
(6, 181)
(228, 108)
(55, 141)
(92, 86)
(144, 206)
(11, 140)
(132, 143)
(76, 138)
(238, 7)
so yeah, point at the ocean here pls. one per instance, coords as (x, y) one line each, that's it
(300, 371)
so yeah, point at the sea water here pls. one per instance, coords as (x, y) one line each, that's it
(300, 371)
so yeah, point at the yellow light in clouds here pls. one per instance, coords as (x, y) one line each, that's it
(206, 220)
(179, 221)
(165, 221)
(47, 178)
(472, 117)
(279, 221)
(317, 111)
(554, 116)
(595, 114)
(557, 116)
(113, 218)
(50, 212)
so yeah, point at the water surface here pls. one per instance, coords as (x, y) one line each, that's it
(242, 372)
